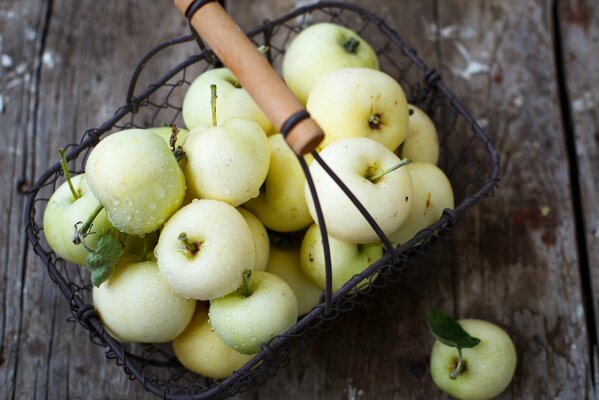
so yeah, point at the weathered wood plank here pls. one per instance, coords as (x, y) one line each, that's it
(579, 22)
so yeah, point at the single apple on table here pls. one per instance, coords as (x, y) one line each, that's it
(284, 262)
(281, 204)
(233, 101)
(374, 174)
(137, 305)
(359, 102)
(347, 259)
(422, 141)
(135, 176)
(477, 367)
(204, 248)
(320, 49)
(227, 162)
(200, 350)
(262, 308)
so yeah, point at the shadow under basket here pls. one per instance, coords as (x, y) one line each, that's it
(466, 156)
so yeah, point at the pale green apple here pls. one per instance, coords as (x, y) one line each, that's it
(233, 101)
(245, 321)
(422, 142)
(200, 350)
(487, 369)
(261, 240)
(217, 248)
(137, 305)
(432, 194)
(228, 162)
(347, 259)
(281, 205)
(357, 161)
(63, 212)
(135, 176)
(320, 49)
(359, 102)
(284, 262)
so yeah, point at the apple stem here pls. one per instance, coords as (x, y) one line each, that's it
(213, 97)
(351, 45)
(65, 171)
(144, 248)
(380, 174)
(458, 369)
(191, 247)
(245, 283)
(173, 139)
(83, 231)
(374, 121)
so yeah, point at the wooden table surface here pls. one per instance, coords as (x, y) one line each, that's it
(526, 259)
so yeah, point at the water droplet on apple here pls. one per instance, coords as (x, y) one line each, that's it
(160, 192)
(152, 206)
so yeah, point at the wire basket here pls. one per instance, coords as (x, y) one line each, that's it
(467, 157)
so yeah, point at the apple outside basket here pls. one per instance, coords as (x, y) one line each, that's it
(467, 157)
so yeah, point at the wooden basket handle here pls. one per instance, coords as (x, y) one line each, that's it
(256, 75)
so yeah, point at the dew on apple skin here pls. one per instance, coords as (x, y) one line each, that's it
(160, 193)
(152, 206)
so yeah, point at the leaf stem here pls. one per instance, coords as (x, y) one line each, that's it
(380, 174)
(65, 172)
(351, 45)
(144, 248)
(213, 97)
(83, 231)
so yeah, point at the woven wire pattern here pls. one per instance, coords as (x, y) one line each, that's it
(467, 157)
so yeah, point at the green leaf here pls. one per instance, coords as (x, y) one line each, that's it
(102, 260)
(448, 331)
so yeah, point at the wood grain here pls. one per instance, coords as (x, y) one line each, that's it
(514, 261)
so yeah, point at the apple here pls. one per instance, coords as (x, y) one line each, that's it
(200, 350)
(487, 368)
(137, 305)
(422, 142)
(233, 101)
(63, 215)
(320, 49)
(347, 259)
(284, 262)
(228, 162)
(359, 102)
(432, 194)
(261, 309)
(204, 248)
(135, 176)
(359, 163)
(261, 241)
(281, 205)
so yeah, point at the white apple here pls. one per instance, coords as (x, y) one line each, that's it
(347, 259)
(233, 101)
(284, 262)
(432, 194)
(209, 261)
(281, 205)
(63, 212)
(200, 350)
(322, 48)
(136, 304)
(135, 176)
(487, 368)
(422, 142)
(228, 162)
(357, 162)
(359, 102)
(245, 319)
(261, 241)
